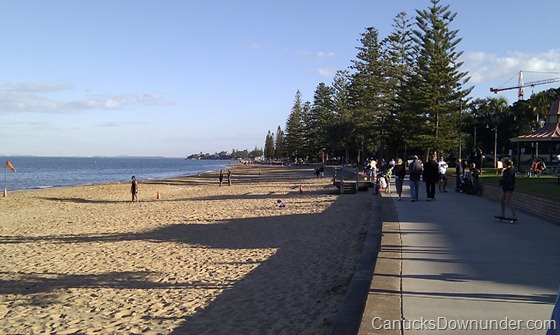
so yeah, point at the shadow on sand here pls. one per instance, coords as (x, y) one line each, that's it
(315, 287)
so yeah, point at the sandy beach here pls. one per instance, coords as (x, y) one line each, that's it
(202, 259)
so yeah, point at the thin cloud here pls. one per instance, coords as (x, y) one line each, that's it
(34, 87)
(259, 46)
(34, 98)
(326, 72)
(484, 67)
(34, 124)
(320, 55)
(153, 99)
(118, 124)
(306, 54)
(325, 55)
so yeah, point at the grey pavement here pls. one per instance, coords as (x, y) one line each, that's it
(462, 268)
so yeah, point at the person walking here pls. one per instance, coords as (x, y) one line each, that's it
(229, 177)
(458, 175)
(442, 166)
(373, 167)
(134, 189)
(221, 177)
(430, 175)
(399, 171)
(388, 176)
(508, 187)
(415, 172)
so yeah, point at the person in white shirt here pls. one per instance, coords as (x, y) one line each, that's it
(442, 171)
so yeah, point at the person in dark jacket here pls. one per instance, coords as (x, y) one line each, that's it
(458, 175)
(431, 176)
(415, 172)
(134, 189)
(476, 157)
(508, 186)
(399, 171)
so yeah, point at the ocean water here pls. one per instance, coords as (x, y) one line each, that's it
(46, 172)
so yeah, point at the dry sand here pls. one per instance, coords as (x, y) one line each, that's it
(201, 260)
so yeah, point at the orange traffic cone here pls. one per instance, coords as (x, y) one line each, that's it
(158, 196)
(300, 189)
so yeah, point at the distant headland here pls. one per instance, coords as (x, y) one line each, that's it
(255, 154)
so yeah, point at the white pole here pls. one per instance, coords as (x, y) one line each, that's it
(5, 181)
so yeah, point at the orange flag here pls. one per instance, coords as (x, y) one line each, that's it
(8, 164)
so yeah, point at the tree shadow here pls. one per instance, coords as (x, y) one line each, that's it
(32, 283)
(482, 297)
(477, 249)
(297, 283)
(82, 200)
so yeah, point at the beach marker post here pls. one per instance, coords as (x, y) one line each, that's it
(158, 196)
(300, 189)
(8, 165)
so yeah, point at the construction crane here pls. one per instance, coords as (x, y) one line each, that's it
(521, 86)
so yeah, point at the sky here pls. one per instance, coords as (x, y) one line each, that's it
(177, 77)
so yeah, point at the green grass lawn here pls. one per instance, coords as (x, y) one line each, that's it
(546, 185)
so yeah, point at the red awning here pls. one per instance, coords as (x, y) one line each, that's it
(549, 133)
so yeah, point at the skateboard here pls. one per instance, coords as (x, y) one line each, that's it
(511, 220)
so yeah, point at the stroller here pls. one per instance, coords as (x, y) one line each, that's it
(469, 184)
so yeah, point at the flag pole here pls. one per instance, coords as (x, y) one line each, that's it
(5, 181)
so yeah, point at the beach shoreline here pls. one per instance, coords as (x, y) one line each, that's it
(55, 172)
(202, 259)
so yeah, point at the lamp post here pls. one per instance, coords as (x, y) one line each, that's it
(497, 113)
(460, 113)
(540, 124)
(273, 148)
(496, 146)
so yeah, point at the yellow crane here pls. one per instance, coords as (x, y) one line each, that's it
(521, 86)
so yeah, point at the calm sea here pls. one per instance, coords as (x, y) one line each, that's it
(45, 172)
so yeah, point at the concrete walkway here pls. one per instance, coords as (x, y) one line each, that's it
(449, 264)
